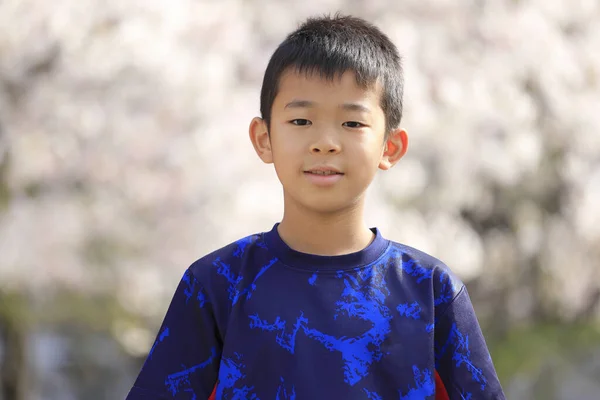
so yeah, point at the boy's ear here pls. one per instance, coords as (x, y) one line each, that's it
(395, 147)
(259, 135)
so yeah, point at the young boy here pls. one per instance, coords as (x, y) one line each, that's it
(321, 306)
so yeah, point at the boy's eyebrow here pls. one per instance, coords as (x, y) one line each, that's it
(299, 104)
(355, 107)
(345, 106)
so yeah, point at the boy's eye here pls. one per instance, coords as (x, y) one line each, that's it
(300, 122)
(353, 124)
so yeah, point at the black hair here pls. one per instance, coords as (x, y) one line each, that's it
(331, 46)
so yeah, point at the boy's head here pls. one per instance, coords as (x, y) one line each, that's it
(330, 46)
(331, 104)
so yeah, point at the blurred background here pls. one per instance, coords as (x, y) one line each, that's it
(124, 157)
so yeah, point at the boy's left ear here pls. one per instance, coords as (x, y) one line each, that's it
(395, 147)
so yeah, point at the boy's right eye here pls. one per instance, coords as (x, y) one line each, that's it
(300, 122)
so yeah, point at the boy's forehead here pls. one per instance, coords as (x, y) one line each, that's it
(294, 83)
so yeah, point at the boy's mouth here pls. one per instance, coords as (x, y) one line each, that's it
(323, 171)
(323, 176)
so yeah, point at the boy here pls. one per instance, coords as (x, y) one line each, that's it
(321, 306)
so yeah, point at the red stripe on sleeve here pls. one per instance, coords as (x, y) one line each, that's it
(440, 390)
(213, 395)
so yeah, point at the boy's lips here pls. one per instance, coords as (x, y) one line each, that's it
(323, 175)
(323, 169)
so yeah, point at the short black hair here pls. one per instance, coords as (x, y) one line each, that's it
(331, 46)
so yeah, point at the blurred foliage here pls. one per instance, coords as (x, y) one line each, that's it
(525, 350)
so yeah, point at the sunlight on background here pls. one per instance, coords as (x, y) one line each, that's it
(124, 157)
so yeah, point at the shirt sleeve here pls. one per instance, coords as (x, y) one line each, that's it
(184, 360)
(463, 361)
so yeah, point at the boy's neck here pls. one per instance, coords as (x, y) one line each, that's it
(332, 234)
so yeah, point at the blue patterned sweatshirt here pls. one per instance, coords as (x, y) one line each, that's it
(259, 320)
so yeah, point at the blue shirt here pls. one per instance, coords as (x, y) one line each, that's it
(259, 320)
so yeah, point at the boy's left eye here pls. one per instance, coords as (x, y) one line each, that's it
(353, 124)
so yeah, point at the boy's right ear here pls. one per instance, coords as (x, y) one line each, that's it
(259, 135)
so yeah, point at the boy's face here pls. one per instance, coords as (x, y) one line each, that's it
(327, 140)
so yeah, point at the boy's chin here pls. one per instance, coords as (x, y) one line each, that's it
(328, 206)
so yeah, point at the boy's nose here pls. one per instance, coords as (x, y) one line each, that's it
(325, 146)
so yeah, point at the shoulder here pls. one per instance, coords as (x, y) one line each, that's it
(214, 278)
(424, 268)
(231, 257)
